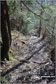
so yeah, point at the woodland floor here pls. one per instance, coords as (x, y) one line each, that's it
(32, 61)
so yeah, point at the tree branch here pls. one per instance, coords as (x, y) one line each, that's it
(43, 6)
(29, 9)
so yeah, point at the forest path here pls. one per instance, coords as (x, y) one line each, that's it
(33, 60)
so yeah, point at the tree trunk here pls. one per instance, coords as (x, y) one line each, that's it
(40, 25)
(5, 31)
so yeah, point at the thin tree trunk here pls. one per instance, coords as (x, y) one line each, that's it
(40, 25)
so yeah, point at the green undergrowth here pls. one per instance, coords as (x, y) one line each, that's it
(10, 58)
(3, 80)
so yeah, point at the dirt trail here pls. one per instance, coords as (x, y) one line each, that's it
(33, 61)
